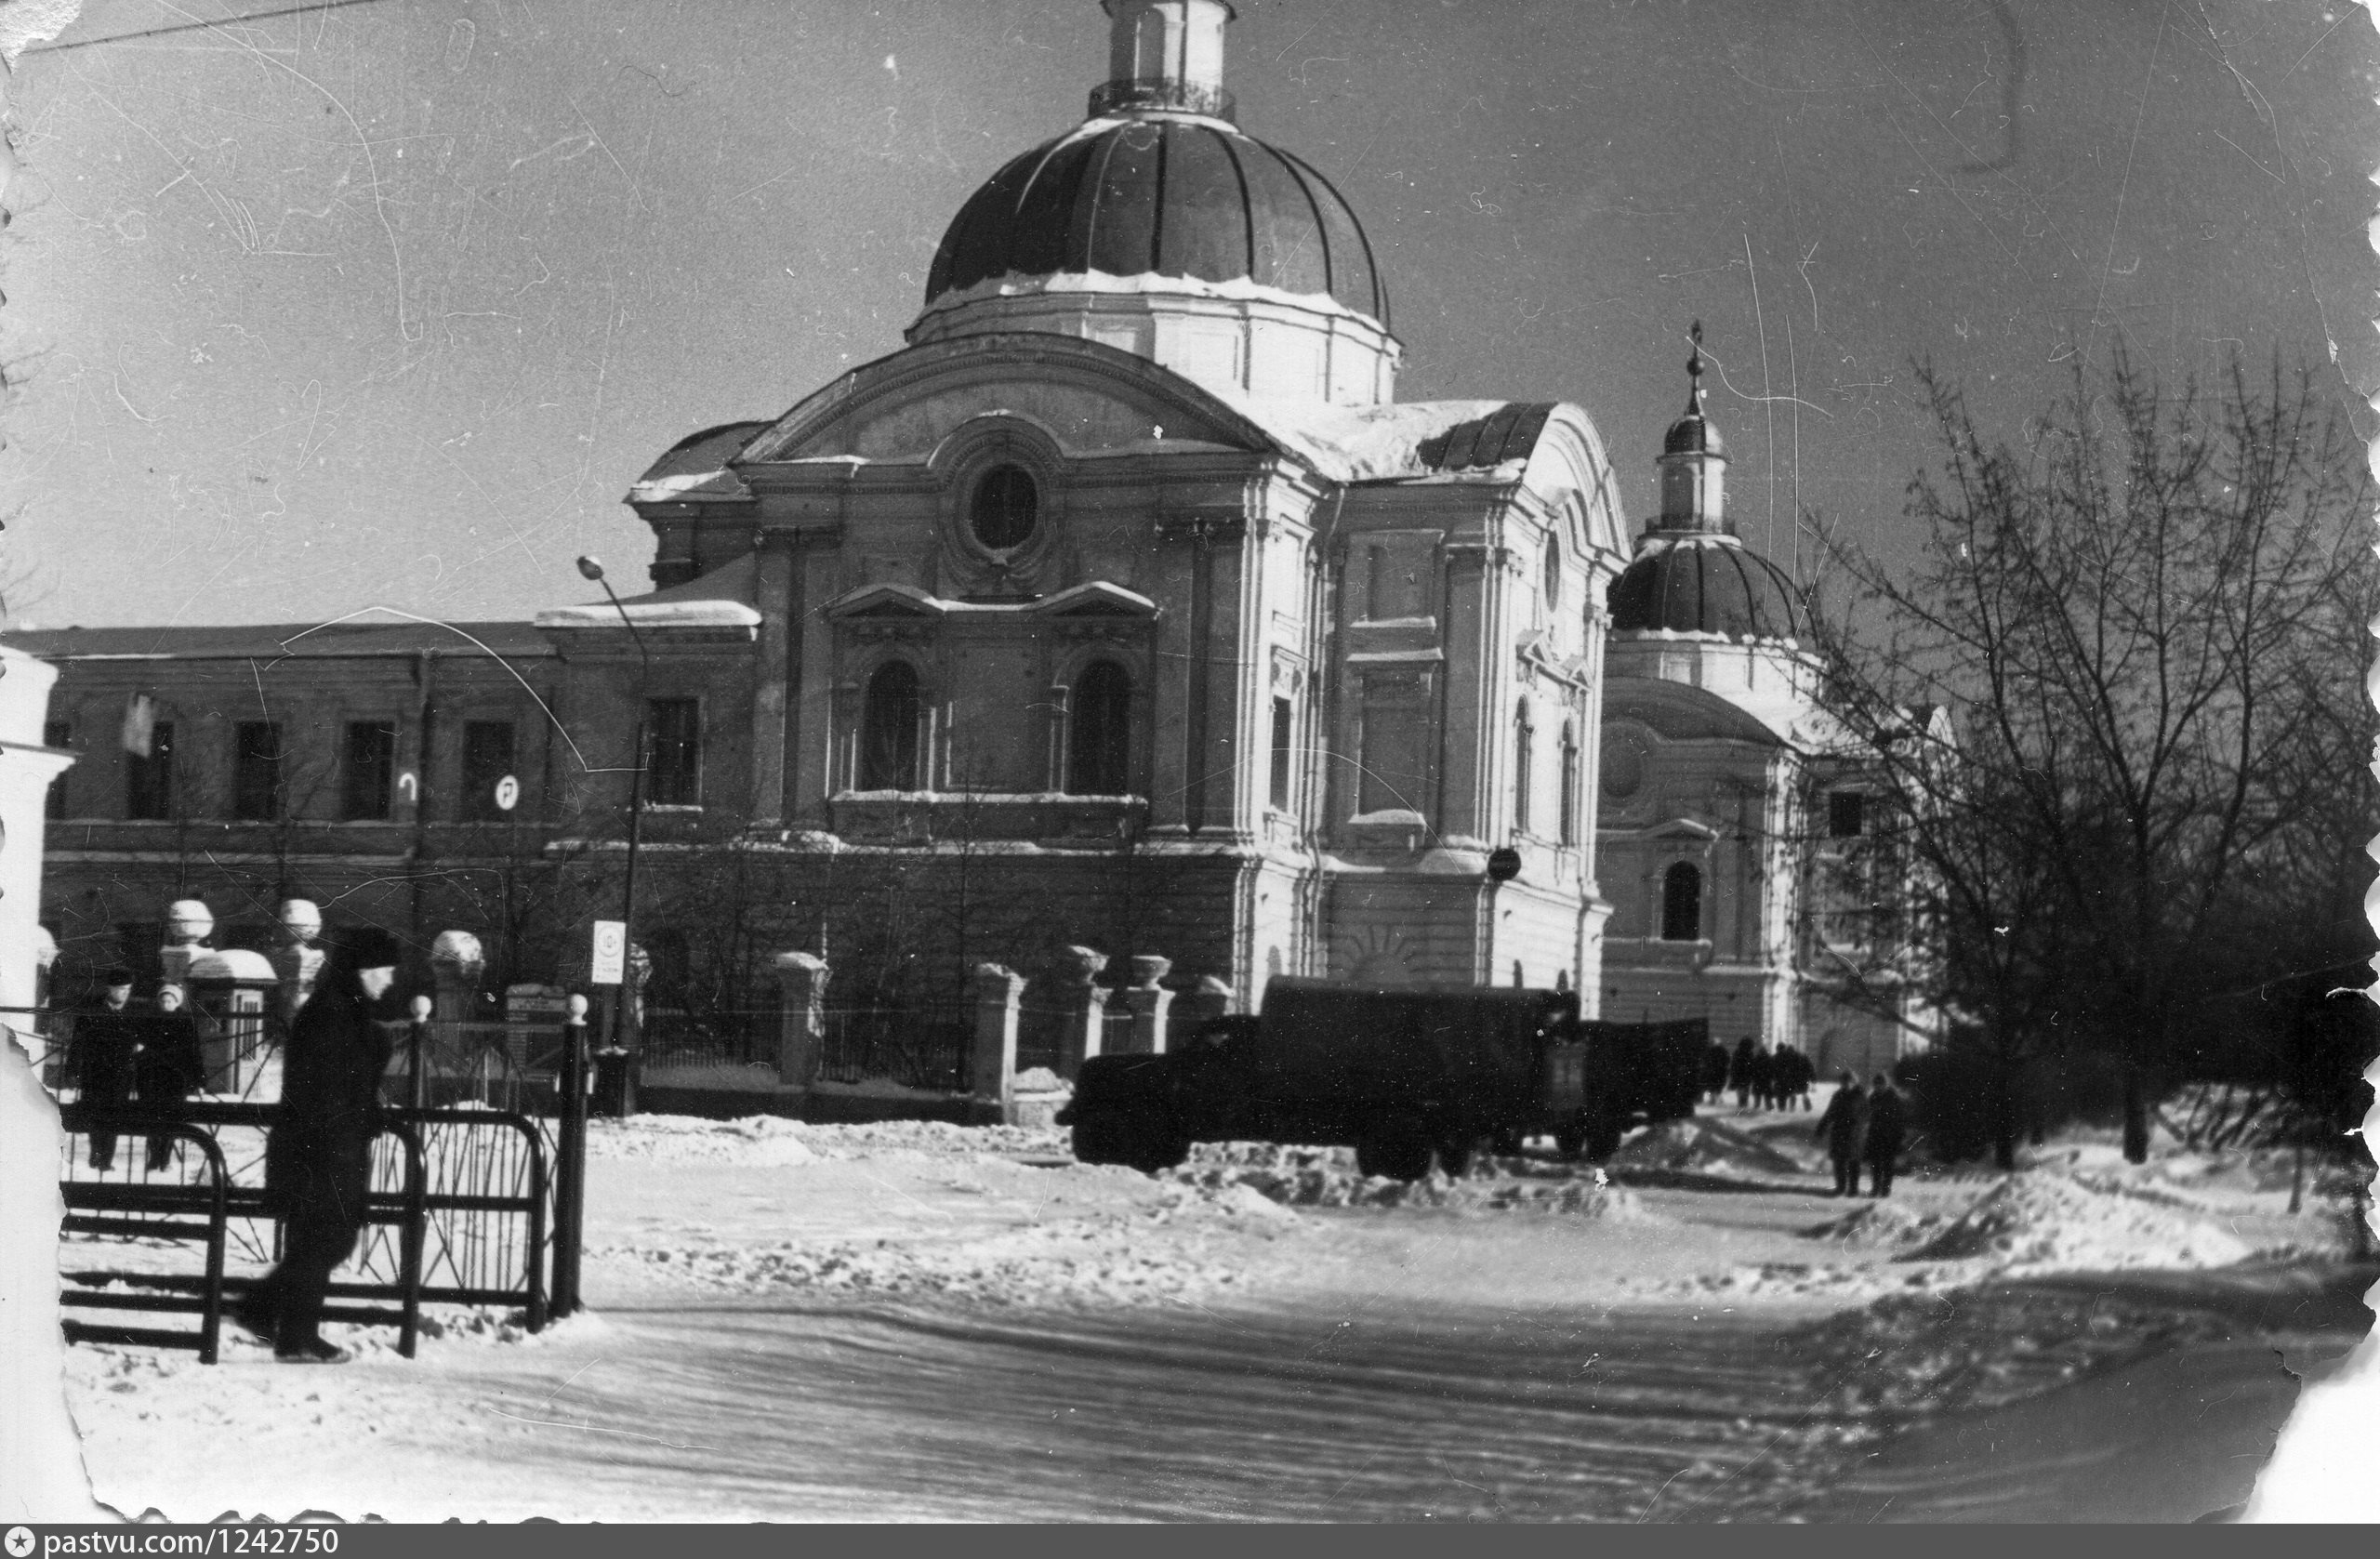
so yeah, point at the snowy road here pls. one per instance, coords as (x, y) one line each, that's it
(893, 1327)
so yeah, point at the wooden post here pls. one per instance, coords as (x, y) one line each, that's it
(570, 1162)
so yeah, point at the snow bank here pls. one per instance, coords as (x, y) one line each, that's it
(755, 1140)
(1328, 1177)
(1703, 1145)
(1975, 1348)
(2046, 1223)
(765, 1141)
(1880, 1224)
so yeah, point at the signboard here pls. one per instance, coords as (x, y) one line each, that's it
(611, 952)
(507, 793)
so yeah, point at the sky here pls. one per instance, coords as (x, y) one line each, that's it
(387, 303)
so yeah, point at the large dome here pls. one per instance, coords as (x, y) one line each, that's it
(1164, 195)
(1697, 582)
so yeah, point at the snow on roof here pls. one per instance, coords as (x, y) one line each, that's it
(278, 641)
(1237, 289)
(1479, 441)
(696, 466)
(649, 612)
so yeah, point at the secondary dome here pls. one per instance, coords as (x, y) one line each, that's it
(1698, 581)
(1162, 195)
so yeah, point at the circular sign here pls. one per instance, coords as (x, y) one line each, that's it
(1503, 864)
(507, 793)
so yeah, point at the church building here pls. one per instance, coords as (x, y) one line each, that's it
(1132, 549)
(1124, 610)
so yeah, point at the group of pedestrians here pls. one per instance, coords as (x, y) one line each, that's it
(121, 1054)
(318, 1157)
(1864, 1126)
(1762, 1077)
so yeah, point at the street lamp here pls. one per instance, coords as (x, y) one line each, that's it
(593, 571)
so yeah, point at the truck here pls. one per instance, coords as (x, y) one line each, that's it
(1406, 1076)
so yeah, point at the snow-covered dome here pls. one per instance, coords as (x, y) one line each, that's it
(1160, 227)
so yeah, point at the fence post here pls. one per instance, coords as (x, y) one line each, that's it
(1148, 1002)
(417, 1056)
(801, 1025)
(1086, 1009)
(998, 992)
(1211, 1000)
(455, 963)
(570, 1161)
(297, 961)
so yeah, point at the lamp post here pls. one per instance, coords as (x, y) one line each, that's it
(591, 569)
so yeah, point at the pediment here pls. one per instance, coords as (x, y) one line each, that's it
(898, 602)
(1090, 399)
(1094, 600)
(1681, 828)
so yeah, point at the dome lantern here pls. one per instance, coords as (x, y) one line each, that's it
(1165, 54)
(1694, 463)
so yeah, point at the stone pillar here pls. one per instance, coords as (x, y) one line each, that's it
(1086, 1009)
(997, 993)
(802, 1030)
(188, 925)
(296, 958)
(1211, 1000)
(1148, 1002)
(456, 964)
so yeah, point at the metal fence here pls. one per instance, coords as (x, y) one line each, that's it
(681, 1037)
(922, 1046)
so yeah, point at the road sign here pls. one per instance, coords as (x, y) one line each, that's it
(611, 952)
(507, 793)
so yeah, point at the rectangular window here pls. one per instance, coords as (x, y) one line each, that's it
(1845, 813)
(56, 733)
(1284, 733)
(673, 743)
(367, 778)
(257, 783)
(487, 758)
(148, 781)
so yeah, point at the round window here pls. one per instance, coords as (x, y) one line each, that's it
(1005, 508)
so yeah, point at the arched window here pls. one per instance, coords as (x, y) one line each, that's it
(1524, 741)
(1005, 508)
(1569, 784)
(888, 733)
(1682, 902)
(1100, 744)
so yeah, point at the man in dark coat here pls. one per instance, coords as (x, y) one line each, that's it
(1844, 1128)
(1714, 1072)
(1793, 1089)
(172, 1063)
(106, 1038)
(318, 1161)
(1887, 1126)
(1762, 1068)
(1740, 1072)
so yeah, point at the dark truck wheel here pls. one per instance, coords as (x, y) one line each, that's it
(1157, 1145)
(1397, 1149)
(1454, 1154)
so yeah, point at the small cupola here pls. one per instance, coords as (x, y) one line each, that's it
(1694, 463)
(1164, 54)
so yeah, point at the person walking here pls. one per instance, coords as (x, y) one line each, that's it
(318, 1160)
(1714, 1073)
(106, 1040)
(1764, 1077)
(1740, 1072)
(1793, 1089)
(1844, 1128)
(171, 1066)
(1887, 1126)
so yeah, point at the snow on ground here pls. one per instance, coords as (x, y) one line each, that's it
(916, 1318)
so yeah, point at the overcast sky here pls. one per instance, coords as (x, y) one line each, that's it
(388, 303)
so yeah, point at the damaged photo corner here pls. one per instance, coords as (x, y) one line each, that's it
(1612, 761)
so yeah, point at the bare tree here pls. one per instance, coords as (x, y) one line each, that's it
(2135, 623)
